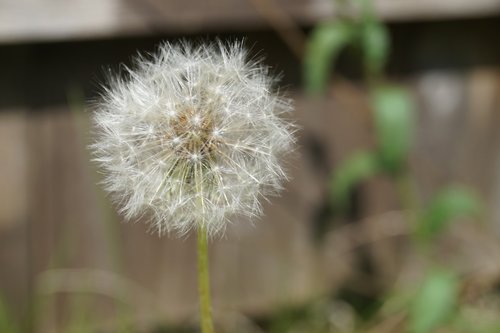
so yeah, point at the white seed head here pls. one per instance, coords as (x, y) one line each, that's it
(192, 135)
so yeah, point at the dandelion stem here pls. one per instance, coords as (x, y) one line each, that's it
(204, 281)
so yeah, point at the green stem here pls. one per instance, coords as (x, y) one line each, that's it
(408, 196)
(412, 207)
(204, 281)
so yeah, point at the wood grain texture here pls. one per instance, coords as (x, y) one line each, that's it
(14, 210)
(76, 243)
(44, 20)
(66, 226)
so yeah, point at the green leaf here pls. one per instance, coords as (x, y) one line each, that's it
(435, 302)
(375, 43)
(350, 173)
(394, 121)
(450, 204)
(326, 42)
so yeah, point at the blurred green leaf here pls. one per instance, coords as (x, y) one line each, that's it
(375, 43)
(451, 203)
(435, 302)
(326, 42)
(467, 320)
(394, 121)
(366, 8)
(351, 172)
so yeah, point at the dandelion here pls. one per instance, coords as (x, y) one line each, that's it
(192, 137)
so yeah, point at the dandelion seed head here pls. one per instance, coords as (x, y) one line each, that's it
(192, 135)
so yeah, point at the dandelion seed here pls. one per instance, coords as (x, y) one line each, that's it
(192, 135)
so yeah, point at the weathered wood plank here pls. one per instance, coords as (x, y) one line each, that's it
(31, 20)
(254, 268)
(72, 240)
(14, 212)
(66, 230)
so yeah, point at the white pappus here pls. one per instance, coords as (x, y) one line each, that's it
(192, 135)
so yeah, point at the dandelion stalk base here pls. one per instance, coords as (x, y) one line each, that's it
(204, 282)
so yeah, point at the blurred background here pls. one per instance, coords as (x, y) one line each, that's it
(391, 221)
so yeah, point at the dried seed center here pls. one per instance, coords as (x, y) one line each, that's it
(193, 134)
